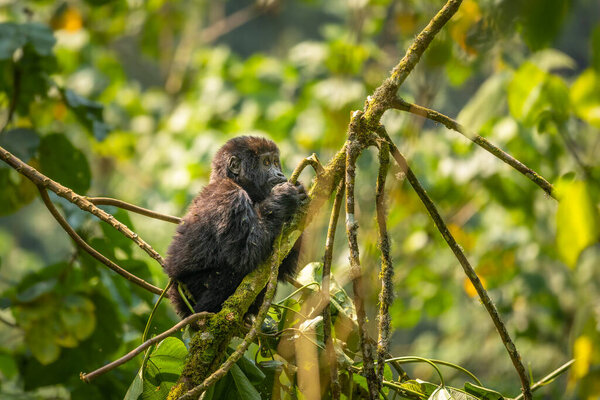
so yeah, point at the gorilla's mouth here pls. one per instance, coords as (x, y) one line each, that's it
(276, 180)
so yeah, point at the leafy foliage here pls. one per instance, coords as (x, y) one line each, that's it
(522, 74)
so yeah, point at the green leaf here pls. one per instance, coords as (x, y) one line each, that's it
(22, 142)
(542, 21)
(36, 290)
(487, 103)
(595, 39)
(63, 162)
(482, 393)
(250, 369)
(16, 191)
(242, 383)
(585, 96)
(8, 366)
(534, 94)
(577, 221)
(88, 112)
(163, 368)
(40, 37)
(11, 38)
(136, 388)
(40, 341)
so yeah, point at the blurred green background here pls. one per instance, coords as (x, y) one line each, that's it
(136, 96)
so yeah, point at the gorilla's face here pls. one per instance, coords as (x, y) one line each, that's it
(258, 174)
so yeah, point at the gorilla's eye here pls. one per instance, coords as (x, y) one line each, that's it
(266, 162)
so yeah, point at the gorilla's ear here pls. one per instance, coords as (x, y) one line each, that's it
(234, 165)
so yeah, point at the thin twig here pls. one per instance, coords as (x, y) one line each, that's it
(464, 262)
(107, 201)
(386, 274)
(355, 269)
(327, 257)
(242, 347)
(452, 124)
(548, 378)
(98, 256)
(108, 367)
(40, 179)
(192, 36)
(311, 160)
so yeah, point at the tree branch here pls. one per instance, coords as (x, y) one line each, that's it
(464, 262)
(156, 339)
(452, 124)
(107, 201)
(353, 150)
(386, 274)
(242, 347)
(327, 257)
(42, 180)
(381, 99)
(98, 256)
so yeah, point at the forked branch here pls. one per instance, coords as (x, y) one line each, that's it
(452, 124)
(98, 256)
(42, 180)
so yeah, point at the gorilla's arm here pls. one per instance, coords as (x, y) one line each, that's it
(248, 230)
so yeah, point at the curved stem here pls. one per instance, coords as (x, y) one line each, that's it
(42, 180)
(107, 201)
(89, 249)
(108, 367)
(327, 257)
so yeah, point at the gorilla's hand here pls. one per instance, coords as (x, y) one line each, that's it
(284, 200)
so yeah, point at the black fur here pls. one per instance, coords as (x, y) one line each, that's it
(231, 225)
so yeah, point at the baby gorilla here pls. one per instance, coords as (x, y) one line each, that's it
(231, 225)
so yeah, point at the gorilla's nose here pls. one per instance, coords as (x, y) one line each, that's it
(277, 177)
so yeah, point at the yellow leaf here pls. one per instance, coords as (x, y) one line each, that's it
(470, 289)
(582, 352)
(577, 221)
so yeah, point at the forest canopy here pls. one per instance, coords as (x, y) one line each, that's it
(452, 148)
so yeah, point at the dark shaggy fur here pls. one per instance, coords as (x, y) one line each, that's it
(231, 225)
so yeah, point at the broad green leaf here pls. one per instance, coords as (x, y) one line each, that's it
(242, 383)
(40, 341)
(36, 290)
(488, 102)
(22, 142)
(524, 90)
(249, 368)
(136, 388)
(8, 366)
(11, 38)
(577, 221)
(163, 368)
(585, 96)
(88, 112)
(542, 20)
(63, 162)
(16, 191)
(533, 94)
(40, 37)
